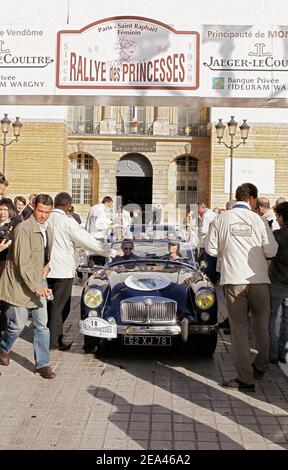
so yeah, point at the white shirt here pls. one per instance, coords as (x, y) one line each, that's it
(121, 221)
(122, 218)
(270, 215)
(204, 224)
(243, 241)
(43, 228)
(68, 235)
(98, 221)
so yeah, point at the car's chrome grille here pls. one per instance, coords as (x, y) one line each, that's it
(163, 311)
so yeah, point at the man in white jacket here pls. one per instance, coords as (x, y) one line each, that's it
(98, 220)
(68, 235)
(264, 210)
(206, 217)
(244, 242)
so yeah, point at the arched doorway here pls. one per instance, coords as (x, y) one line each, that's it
(134, 180)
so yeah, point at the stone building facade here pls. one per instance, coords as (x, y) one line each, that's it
(145, 155)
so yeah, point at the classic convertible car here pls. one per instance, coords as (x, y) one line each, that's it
(149, 301)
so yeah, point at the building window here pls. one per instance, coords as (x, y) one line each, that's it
(133, 118)
(187, 120)
(186, 185)
(193, 122)
(81, 178)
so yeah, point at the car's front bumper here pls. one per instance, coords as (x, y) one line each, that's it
(164, 330)
(183, 329)
(145, 330)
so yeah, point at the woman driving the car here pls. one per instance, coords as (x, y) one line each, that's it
(127, 247)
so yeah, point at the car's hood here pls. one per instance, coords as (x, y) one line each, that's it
(147, 281)
(173, 291)
(150, 281)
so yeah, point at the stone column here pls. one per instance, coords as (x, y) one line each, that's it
(161, 123)
(108, 124)
(97, 116)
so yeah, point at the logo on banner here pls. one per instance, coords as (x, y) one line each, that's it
(128, 52)
(259, 50)
(256, 61)
(218, 83)
(10, 60)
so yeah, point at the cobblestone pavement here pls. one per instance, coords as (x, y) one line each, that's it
(132, 399)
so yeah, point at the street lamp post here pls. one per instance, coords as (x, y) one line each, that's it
(232, 127)
(5, 123)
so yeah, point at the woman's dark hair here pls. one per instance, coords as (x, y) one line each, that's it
(174, 243)
(45, 199)
(6, 201)
(282, 209)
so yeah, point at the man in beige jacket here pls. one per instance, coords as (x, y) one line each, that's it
(244, 241)
(23, 285)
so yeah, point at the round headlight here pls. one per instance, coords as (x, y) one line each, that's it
(204, 299)
(93, 298)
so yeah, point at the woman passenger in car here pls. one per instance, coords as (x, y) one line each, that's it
(173, 251)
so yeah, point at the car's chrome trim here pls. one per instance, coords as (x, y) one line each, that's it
(160, 310)
(148, 330)
(202, 329)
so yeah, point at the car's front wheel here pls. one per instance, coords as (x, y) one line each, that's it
(206, 345)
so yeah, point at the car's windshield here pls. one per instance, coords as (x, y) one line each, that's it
(148, 266)
(171, 250)
(154, 232)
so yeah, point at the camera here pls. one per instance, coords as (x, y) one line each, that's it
(6, 232)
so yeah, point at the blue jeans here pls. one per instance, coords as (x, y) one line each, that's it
(17, 319)
(279, 297)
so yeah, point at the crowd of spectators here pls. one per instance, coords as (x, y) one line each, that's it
(244, 246)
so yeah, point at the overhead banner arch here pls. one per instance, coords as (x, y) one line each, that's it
(124, 58)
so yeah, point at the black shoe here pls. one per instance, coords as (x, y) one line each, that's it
(238, 385)
(258, 374)
(224, 324)
(282, 359)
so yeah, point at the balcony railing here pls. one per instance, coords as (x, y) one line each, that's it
(136, 129)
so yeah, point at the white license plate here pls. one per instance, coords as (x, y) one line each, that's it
(95, 326)
(130, 340)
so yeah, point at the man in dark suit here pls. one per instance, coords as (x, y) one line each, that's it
(29, 209)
